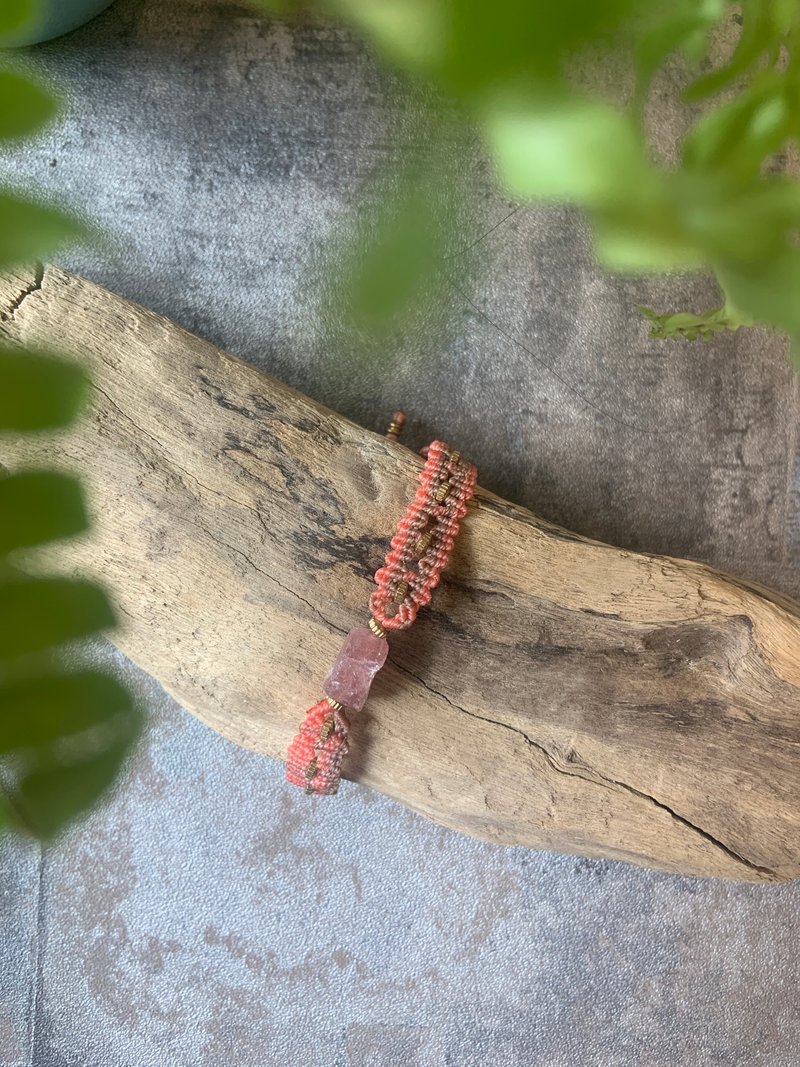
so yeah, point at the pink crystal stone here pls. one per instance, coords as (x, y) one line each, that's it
(362, 656)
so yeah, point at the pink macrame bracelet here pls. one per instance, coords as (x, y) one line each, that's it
(419, 552)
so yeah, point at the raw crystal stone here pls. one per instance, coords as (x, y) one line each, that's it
(362, 656)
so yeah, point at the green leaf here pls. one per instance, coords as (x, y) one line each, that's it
(31, 231)
(751, 224)
(409, 32)
(39, 613)
(35, 713)
(623, 245)
(50, 797)
(396, 261)
(568, 150)
(25, 105)
(37, 391)
(386, 280)
(471, 46)
(688, 326)
(736, 137)
(766, 289)
(757, 35)
(657, 45)
(15, 15)
(39, 506)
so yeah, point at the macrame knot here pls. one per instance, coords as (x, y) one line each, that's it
(314, 759)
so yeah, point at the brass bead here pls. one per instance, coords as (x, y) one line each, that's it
(441, 492)
(326, 731)
(423, 542)
(400, 592)
(376, 628)
(396, 425)
(455, 458)
(311, 769)
(334, 704)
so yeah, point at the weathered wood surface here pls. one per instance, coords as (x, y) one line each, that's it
(559, 693)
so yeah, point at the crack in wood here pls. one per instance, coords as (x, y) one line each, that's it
(594, 777)
(9, 313)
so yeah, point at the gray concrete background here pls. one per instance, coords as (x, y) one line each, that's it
(209, 915)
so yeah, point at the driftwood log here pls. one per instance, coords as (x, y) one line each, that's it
(559, 693)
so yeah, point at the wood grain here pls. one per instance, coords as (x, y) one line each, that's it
(559, 694)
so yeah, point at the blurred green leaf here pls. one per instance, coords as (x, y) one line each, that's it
(36, 712)
(764, 288)
(736, 137)
(51, 796)
(14, 16)
(664, 39)
(394, 263)
(410, 32)
(39, 613)
(31, 231)
(38, 392)
(644, 244)
(751, 224)
(24, 105)
(757, 33)
(384, 279)
(62, 736)
(39, 506)
(568, 150)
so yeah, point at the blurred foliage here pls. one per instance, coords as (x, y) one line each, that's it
(381, 278)
(510, 68)
(16, 15)
(63, 734)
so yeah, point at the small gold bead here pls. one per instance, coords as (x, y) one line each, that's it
(396, 425)
(326, 731)
(441, 492)
(376, 628)
(400, 592)
(455, 458)
(334, 704)
(423, 542)
(311, 769)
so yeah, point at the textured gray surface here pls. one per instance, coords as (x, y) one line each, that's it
(210, 915)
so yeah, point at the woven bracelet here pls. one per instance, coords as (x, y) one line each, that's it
(419, 552)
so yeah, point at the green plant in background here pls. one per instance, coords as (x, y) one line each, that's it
(517, 70)
(63, 734)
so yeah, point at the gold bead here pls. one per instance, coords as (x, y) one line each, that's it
(455, 458)
(311, 769)
(326, 731)
(334, 704)
(423, 542)
(396, 425)
(376, 628)
(441, 492)
(400, 592)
